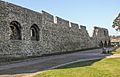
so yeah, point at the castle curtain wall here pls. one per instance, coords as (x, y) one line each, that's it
(50, 35)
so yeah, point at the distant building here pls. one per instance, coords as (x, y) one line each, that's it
(115, 40)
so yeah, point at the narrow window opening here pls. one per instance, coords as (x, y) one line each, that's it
(34, 32)
(15, 31)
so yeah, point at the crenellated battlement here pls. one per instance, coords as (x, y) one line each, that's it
(74, 26)
(47, 17)
(82, 27)
(60, 22)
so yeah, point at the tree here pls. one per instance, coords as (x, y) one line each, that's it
(116, 23)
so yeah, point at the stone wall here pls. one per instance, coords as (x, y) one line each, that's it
(26, 19)
(101, 36)
(24, 32)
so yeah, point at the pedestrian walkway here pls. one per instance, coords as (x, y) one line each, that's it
(25, 69)
(114, 56)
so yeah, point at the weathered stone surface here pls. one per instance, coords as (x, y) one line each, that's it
(46, 37)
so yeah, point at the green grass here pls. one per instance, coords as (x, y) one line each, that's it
(117, 51)
(108, 67)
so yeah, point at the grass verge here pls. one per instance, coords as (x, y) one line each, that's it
(116, 51)
(108, 67)
(96, 68)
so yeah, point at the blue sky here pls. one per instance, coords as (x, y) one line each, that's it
(89, 13)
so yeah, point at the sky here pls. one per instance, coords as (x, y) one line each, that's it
(89, 13)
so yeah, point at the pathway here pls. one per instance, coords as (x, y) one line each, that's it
(25, 69)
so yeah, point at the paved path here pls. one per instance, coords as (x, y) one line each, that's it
(114, 56)
(25, 69)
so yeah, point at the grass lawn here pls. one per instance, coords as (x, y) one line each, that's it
(95, 68)
(117, 51)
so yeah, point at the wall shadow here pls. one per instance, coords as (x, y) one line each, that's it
(24, 69)
(79, 64)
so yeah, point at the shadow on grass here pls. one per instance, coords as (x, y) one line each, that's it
(115, 51)
(87, 63)
(80, 64)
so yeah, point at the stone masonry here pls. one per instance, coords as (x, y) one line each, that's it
(24, 32)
